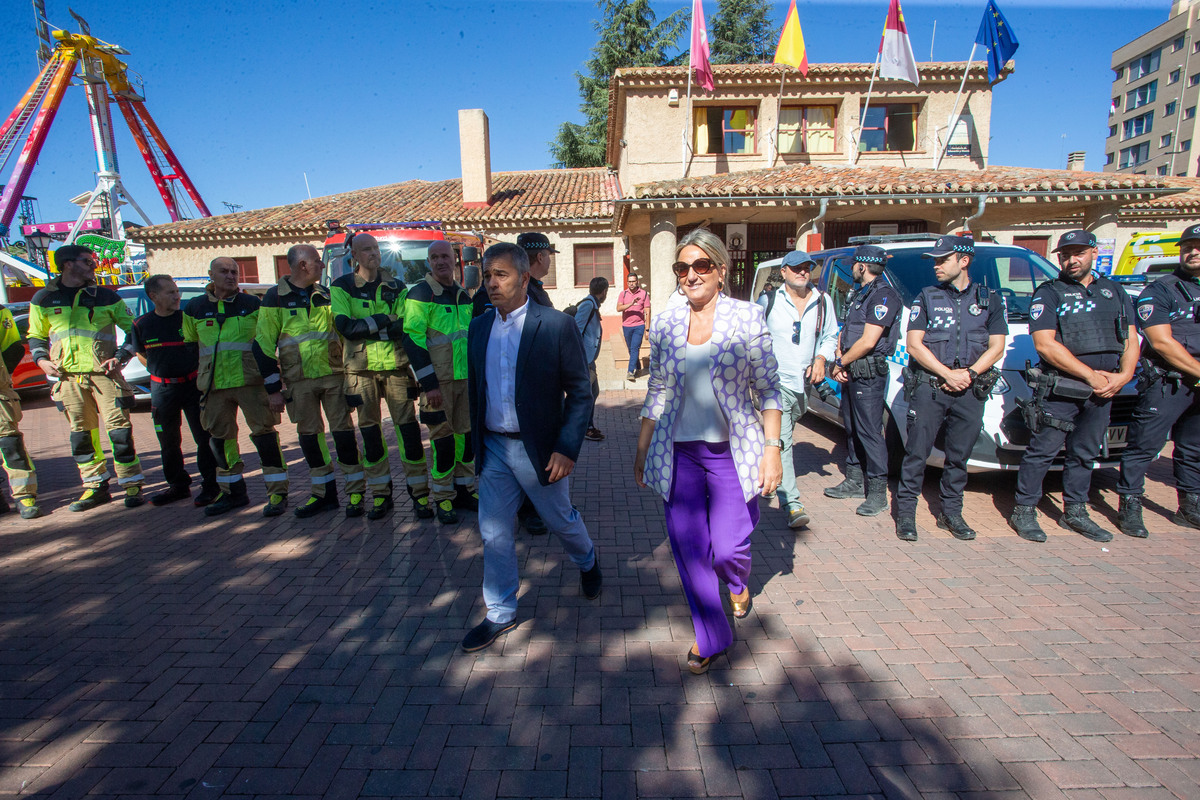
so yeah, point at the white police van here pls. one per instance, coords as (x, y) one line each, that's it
(1015, 273)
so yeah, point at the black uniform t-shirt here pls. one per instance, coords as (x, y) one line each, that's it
(1063, 297)
(160, 340)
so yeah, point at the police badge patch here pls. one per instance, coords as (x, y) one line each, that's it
(1107, 293)
(1036, 310)
(912, 315)
(1145, 310)
(880, 311)
(974, 310)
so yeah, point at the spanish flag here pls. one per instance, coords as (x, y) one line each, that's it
(791, 50)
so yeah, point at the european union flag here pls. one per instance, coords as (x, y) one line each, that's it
(998, 38)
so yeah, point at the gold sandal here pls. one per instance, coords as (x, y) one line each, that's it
(741, 604)
(696, 664)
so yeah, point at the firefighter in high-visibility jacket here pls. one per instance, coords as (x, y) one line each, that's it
(222, 322)
(22, 480)
(72, 337)
(368, 306)
(295, 321)
(437, 313)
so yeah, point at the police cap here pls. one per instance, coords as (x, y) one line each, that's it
(535, 241)
(1190, 232)
(870, 254)
(948, 245)
(1076, 239)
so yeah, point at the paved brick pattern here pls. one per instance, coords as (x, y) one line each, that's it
(160, 653)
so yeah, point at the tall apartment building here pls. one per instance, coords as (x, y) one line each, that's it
(1155, 91)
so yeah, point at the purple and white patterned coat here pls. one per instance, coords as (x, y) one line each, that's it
(743, 363)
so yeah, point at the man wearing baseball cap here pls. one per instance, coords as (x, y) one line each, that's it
(869, 336)
(1168, 314)
(956, 334)
(804, 327)
(1082, 327)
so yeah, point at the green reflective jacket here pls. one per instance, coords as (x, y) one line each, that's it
(368, 316)
(76, 328)
(435, 331)
(224, 331)
(298, 325)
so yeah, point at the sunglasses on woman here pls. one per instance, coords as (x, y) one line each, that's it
(702, 266)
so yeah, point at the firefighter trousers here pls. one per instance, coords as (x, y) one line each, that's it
(364, 390)
(22, 479)
(305, 401)
(85, 398)
(452, 466)
(218, 414)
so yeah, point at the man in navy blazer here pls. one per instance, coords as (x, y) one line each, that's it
(531, 400)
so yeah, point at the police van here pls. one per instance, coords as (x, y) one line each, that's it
(1015, 273)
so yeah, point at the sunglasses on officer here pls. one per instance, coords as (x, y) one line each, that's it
(702, 266)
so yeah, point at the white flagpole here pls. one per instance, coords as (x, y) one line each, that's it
(778, 111)
(852, 156)
(954, 115)
(687, 123)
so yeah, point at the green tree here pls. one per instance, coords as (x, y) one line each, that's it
(740, 33)
(630, 36)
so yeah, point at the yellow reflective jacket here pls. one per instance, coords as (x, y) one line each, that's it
(224, 331)
(76, 328)
(369, 317)
(298, 325)
(11, 353)
(435, 331)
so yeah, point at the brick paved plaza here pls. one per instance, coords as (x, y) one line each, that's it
(158, 652)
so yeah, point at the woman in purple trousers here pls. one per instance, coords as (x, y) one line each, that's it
(701, 444)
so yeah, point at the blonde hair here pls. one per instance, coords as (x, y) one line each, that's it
(707, 241)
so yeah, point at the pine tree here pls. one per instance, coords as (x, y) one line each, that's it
(630, 36)
(740, 33)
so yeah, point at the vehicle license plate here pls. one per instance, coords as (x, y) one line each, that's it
(1118, 434)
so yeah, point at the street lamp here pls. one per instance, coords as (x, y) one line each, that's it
(39, 242)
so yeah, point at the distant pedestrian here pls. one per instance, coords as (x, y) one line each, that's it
(804, 330)
(701, 446)
(588, 321)
(633, 302)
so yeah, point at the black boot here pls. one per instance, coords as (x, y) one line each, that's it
(315, 505)
(906, 527)
(852, 486)
(234, 496)
(1189, 510)
(1129, 516)
(1024, 521)
(1075, 517)
(957, 526)
(877, 498)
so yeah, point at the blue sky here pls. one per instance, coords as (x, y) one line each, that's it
(254, 95)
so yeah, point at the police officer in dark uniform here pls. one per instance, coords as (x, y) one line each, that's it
(956, 334)
(1168, 313)
(157, 338)
(1082, 327)
(868, 337)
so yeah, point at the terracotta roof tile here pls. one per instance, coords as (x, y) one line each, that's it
(517, 198)
(1189, 200)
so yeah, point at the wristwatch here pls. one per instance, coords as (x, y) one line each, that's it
(838, 362)
(774, 443)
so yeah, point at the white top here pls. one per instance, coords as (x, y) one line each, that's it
(700, 418)
(500, 371)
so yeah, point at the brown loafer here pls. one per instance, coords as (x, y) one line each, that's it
(741, 604)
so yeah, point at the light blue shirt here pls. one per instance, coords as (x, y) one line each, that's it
(500, 375)
(794, 359)
(700, 418)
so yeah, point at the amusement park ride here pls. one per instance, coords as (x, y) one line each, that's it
(105, 80)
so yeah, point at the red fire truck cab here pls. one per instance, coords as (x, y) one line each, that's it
(403, 246)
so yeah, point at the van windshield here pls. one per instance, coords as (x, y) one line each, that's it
(1014, 272)
(403, 258)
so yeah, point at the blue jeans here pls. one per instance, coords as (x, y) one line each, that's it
(633, 341)
(506, 477)
(794, 404)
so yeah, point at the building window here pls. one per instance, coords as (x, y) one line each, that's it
(1141, 96)
(1165, 141)
(1185, 145)
(1112, 131)
(1177, 45)
(1117, 73)
(1164, 169)
(1132, 156)
(1194, 80)
(891, 128)
(725, 130)
(1174, 76)
(593, 261)
(1115, 107)
(1169, 109)
(808, 129)
(1188, 113)
(1196, 47)
(1108, 158)
(247, 269)
(1136, 126)
(1141, 67)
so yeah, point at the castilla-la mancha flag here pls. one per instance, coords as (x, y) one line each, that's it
(700, 57)
(895, 50)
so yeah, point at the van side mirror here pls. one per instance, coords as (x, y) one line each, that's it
(470, 254)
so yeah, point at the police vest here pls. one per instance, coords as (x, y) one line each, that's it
(1091, 320)
(956, 324)
(1185, 307)
(862, 313)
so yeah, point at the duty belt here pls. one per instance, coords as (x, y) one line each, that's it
(184, 379)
